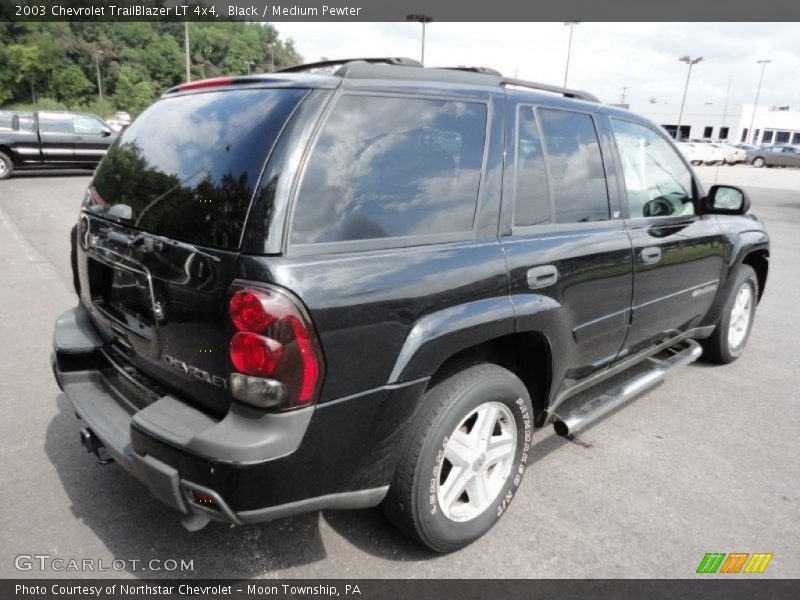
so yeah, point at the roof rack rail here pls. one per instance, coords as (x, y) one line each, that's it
(544, 87)
(389, 60)
(483, 70)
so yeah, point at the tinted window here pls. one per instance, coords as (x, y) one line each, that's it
(26, 123)
(88, 125)
(657, 181)
(188, 165)
(388, 167)
(6, 120)
(55, 123)
(531, 199)
(576, 166)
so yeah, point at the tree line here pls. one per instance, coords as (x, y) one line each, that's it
(55, 65)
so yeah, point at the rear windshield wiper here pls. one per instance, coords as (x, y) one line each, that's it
(151, 242)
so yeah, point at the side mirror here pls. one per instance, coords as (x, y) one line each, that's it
(105, 132)
(726, 200)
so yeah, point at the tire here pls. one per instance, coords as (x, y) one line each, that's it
(759, 162)
(726, 344)
(6, 166)
(458, 409)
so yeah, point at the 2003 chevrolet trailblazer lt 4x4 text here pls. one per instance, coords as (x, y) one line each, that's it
(301, 291)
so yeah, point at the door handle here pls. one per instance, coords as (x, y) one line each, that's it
(540, 277)
(651, 256)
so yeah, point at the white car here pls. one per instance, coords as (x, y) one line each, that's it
(117, 124)
(696, 154)
(732, 154)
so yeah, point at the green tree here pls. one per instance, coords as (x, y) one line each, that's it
(133, 92)
(71, 86)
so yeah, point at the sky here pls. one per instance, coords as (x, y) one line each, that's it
(605, 56)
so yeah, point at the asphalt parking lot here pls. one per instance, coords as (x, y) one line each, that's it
(708, 462)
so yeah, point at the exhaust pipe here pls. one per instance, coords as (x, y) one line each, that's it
(94, 446)
(597, 407)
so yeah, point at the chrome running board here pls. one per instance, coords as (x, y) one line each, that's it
(686, 352)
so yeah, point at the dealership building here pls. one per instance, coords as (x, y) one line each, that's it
(771, 125)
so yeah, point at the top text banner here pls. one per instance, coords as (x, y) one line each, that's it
(400, 10)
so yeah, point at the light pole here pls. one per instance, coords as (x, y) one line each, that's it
(186, 50)
(571, 25)
(424, 19)
(763, 63)
(249, 64)
(272, 57)
(691, 62)
(97, 55)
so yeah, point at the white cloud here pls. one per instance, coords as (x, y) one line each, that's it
(605, 56)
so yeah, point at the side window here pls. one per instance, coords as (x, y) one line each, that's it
(55, 124)
(87, 125)
(658, 183)
(577, 175)
(531, 198)
(389, 167)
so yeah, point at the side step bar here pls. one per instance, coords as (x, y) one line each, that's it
(686, 352)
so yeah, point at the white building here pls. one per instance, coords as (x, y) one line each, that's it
(771, 125)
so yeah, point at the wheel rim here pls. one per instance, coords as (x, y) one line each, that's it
(3, 168)
(759, 162)
(477, 461)
(740, 316)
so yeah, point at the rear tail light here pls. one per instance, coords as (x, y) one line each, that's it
(206, 83)
(275, 350)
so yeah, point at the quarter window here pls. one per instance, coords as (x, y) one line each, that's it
(657, 181)
(531, 199)
(575, 165)
(392, 167)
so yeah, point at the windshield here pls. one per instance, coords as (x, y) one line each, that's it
(187, 167)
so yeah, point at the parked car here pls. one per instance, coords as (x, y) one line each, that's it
(731, 154)
(696, 154)
(53, 139)
(304, 292)
(123, 116)
(117, 125)
(774, 156)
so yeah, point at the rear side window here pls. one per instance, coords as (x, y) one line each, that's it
(531, 198)
(576, 166)
(388, 167)
(187, 167)
(55, 123)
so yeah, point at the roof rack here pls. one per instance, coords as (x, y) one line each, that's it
(544, 87)
(383, 68)
(398, 61)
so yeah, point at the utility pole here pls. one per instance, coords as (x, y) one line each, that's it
(691, 62)
(97, 55)
(424, 19)
(571, 25)
(272, 56)
(623, 95)
(763, 63)
(186, 50)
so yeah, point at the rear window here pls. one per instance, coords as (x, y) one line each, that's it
(187, 167)
(388, 167)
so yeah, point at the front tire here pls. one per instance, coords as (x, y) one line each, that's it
(6, 166)
(758, 162)
(730, 336)
(464, 460)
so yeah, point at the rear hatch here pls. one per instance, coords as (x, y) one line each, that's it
(160, 233)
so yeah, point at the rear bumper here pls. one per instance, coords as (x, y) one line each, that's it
(255, 465)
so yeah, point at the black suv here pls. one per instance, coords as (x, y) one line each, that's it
(302, 291)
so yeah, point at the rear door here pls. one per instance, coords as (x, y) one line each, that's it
(56, 134)
(92, 138)
(568, 244)
(678, 255)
